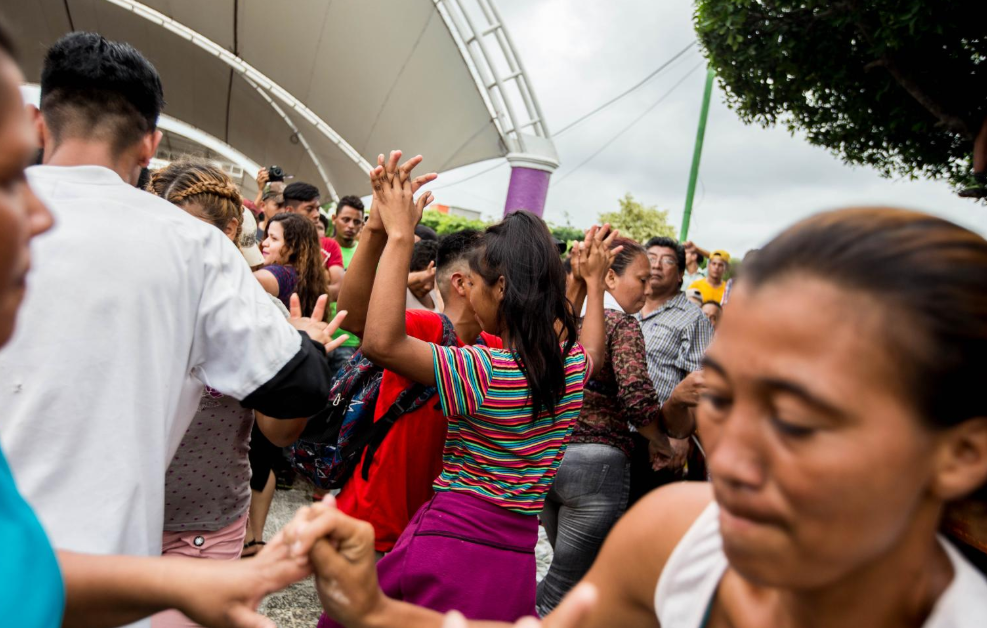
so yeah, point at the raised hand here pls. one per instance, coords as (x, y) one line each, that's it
(596, 253)
(393, 193)
(421, 281)
(314, 326)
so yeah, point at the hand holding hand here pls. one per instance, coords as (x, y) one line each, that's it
(226, 594)
(393, 194)
(340, 550)
(314, 326)
(596, 254)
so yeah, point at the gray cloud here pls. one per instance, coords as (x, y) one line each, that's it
(755, 181)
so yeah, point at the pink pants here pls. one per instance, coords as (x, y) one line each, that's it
(224, 544)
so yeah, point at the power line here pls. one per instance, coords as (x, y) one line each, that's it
(633, 122)
(622, 94)
(472, 176)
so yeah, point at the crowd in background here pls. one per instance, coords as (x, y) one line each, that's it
(179, 347)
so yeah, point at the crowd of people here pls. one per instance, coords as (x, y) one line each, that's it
(772, 443)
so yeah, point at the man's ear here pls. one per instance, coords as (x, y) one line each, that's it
(149, 147)
(457, 281)
(961, 464)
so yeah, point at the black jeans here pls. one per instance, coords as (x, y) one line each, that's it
(584, 503)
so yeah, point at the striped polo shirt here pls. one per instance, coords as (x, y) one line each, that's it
(493, 449)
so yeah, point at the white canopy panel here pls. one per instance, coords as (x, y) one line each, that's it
(382, 74)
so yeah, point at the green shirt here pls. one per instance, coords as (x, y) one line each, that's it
(347, 256)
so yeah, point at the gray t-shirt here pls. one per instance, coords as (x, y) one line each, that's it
(207, 486)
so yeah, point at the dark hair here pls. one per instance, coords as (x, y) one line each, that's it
(929, 273)
(624, 259)
(297, 193)
(716, 303)
(456, 246)
(521, 249)
(567, 264)
(426, 233)
(668, 243)
(95, 88)
(700, 258)
(350, 201)
(305, 255)
(325, 221)
(424, 254)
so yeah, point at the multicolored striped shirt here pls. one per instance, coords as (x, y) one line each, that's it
(493, 449)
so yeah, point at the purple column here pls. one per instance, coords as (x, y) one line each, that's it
(528, 190)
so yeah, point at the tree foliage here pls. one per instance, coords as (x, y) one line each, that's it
(637, 221)
(445, 223)
(899, 85)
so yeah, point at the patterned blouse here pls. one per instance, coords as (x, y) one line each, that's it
(622, 391)
(494, 450)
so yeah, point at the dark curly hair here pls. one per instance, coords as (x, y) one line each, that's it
(304, 254)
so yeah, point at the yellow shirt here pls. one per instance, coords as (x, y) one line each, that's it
(709, 292)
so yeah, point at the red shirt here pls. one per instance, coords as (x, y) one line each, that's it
(331, 252)
(409, 459)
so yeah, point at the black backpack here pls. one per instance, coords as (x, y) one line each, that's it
(333, 441)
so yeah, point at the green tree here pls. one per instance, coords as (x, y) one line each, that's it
(445, 223)
(898, 85)
(637, 221)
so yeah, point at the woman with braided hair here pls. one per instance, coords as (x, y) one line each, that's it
(223, 455)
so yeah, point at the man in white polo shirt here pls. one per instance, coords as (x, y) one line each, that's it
(133, 307)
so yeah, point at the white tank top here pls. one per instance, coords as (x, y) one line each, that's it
(688, 582)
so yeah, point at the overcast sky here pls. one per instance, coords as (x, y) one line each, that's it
(754, 181)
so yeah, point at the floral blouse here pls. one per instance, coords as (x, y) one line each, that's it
(622, 392)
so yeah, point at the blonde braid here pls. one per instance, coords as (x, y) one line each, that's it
(192, 180)
(224, 189)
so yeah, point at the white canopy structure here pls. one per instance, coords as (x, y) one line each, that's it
(320, 87)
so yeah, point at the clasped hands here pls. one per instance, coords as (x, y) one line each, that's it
(394, 208)
(591, 258)
(339, 550)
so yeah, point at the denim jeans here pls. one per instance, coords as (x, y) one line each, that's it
(588, 496)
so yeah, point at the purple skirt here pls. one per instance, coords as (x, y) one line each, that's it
(464, 553)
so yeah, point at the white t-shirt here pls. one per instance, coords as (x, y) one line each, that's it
(132, 305)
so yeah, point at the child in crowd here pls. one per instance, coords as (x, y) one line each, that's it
(510, 411)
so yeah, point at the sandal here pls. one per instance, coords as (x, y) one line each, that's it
(258, 544)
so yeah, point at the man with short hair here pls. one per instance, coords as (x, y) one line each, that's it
(96, 403)
(713, 285)
(713, 311)
(347, 222)
(410, 457)
(676, 336)
(303, 199)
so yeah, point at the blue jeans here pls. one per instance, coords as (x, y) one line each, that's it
(588, 496)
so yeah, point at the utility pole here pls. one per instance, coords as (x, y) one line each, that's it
(696, 154)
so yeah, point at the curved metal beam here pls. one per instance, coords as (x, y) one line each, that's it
(248, 72)
(470, 37)
(300, 136)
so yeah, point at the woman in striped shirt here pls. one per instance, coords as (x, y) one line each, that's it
(511, 411)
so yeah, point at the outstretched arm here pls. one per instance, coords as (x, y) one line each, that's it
(115, 590)
(385, 341)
